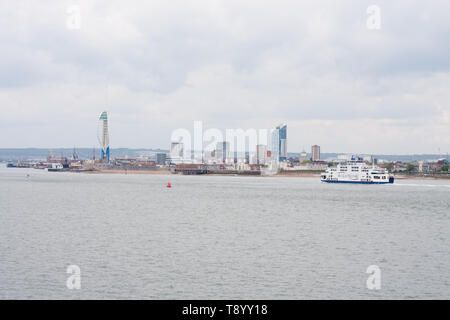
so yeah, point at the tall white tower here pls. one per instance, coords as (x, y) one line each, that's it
(103, 135)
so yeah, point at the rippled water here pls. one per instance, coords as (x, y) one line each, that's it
(213, 237)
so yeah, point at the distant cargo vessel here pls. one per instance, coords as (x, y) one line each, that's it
(56, 167)
(357, 171)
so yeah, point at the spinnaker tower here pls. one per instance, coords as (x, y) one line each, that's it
(103, 136)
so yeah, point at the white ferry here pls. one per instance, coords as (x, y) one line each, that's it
(357, 171)
(55, 167)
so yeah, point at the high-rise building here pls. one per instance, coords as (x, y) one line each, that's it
(222, 151)
(283, 142)
(315, 152)
(275, 142)
(279, 142)
(261, 154)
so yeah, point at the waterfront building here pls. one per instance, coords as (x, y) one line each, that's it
(261, 154)
(282, 142)
(161, 158)
(279, 142)
(209, 156)
(303, 156)
(344, 157)
(273, 163)
(275, 142)
(421, 166)
(316, 166)
(315, 152)
(222, 151)
(176, 152)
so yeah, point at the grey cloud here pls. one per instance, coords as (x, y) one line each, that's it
(230, 63)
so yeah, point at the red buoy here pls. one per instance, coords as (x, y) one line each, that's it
(169, 185)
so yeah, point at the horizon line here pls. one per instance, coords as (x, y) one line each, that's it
(151, 149)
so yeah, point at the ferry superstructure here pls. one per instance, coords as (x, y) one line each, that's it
(357, 171)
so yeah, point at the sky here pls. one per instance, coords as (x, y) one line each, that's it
(325, 68)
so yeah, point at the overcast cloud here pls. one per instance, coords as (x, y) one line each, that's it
(232, 64)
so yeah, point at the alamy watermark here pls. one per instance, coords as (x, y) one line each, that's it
(73, 21)
(187, 147)
(374, 17)
(74, 280)
(374, 280)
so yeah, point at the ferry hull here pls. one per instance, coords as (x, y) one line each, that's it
(359, 182)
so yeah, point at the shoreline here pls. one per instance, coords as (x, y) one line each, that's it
(278, 175)
(129, 172)
(283, 174)
(407, 177)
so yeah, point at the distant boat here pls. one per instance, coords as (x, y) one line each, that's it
(11, 165)
(357, 171)
(56, 167)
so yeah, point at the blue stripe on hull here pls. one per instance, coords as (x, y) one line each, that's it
(356, 182)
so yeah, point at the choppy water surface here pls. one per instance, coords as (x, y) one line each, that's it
(220, 237)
